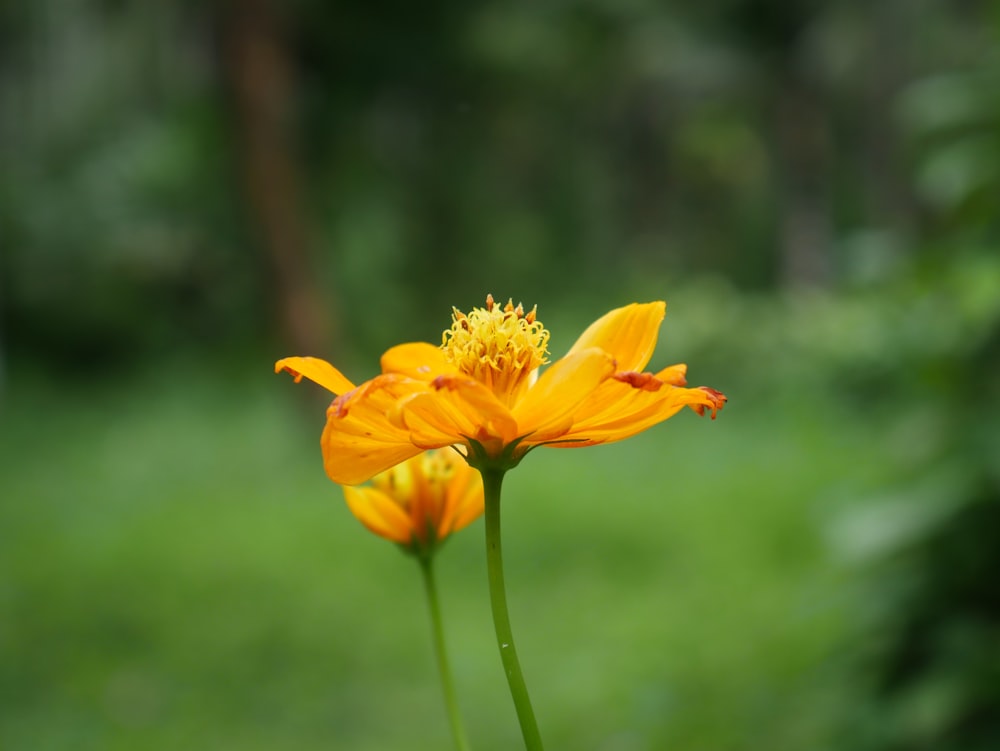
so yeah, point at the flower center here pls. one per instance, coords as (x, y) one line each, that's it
(420, 488)
(499, 347)
(424, 482)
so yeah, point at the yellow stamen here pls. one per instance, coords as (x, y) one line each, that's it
(501, 348)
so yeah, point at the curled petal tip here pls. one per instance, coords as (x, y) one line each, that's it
(316, 370)
(282, 366)
(717, 398)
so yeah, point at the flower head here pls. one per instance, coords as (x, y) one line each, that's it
(499, 347)
(482, 389)
(421, 501)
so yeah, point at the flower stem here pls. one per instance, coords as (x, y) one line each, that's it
(492, 480)
(451, 705)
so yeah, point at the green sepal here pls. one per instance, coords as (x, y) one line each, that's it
(479, 458)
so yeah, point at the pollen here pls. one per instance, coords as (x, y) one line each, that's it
(499, 346)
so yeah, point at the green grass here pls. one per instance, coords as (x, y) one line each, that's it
(177, 572)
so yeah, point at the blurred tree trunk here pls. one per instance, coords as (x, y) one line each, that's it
(891, 195)
(259, 76)
(803, 162)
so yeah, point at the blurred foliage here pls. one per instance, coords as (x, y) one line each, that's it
(812, 187)
(928, 547)
(547, 151)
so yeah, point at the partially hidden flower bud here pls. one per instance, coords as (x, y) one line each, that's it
(420, 502)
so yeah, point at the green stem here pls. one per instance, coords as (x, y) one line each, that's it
(492, 480)
(450, 702)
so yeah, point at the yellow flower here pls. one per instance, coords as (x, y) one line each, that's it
(482, 389)
(419, 502)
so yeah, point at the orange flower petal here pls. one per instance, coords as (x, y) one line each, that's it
(628, 334)
(351, 460)
(546, 410)
(629, 411)
(456, 408)
(464, 499)
(359, 441)
(317, 371)
(675, 375)
(379, 513)
(606, 402)
(418, 360)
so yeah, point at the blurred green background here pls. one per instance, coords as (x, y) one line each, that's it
(191, 190)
